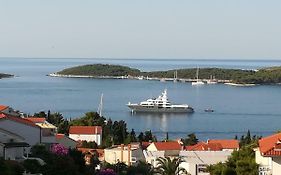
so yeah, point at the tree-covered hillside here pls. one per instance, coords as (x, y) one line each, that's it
(100, 70)
(270, 75)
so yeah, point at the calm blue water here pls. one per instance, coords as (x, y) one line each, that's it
(237, 109)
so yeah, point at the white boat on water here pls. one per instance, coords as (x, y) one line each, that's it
(160, 104)
(212, 80)
(197, 82)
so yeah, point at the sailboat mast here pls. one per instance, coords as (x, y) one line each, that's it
(100, 105)
(197, 74)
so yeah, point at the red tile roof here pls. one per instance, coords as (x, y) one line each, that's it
(202, 146)
(270, 146)
(85, 130)
(36, 119)
(18, 119)
(2, 107)
(162, 146)
(226, 144)
(59, 136)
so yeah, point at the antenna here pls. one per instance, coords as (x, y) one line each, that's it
(100, 105)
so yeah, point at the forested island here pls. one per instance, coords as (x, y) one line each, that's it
(271, 75)
(2, 75)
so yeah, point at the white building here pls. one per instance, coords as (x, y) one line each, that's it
(87, 133)
(12, 146)
(152, 156)
(128, 154)
(30, 132)
(196, 162)
(171, 148)
(268, 155)
(48, 131)
(197, 157)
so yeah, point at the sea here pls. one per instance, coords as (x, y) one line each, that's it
(236, 109)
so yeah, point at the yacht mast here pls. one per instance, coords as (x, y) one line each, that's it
(100, 105)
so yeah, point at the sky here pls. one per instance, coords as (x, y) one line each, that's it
(190, 29)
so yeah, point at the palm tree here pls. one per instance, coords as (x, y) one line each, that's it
(168, 166)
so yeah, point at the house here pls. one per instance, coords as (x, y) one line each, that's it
(171, 148)
(197, 157)
(215, 145)
(268, 155)
(156, 150)
(32, 132)
(29, 131)
(8, 111)
(87, 133)
(152, 156)
(196, 162)
(66, 141)
(227, 144)
(12, 146)
(48, 131)
(128, 154)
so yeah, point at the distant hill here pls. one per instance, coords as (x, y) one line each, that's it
(269, 75)
(100, 70)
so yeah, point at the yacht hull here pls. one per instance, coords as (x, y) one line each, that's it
(156, 109)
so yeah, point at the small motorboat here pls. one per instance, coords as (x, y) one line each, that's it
(209, 110)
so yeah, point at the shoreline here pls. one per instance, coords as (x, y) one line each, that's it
(134, 77)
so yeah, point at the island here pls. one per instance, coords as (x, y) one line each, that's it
(2, 75)
(239, 77)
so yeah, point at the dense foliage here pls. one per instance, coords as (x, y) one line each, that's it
(191, 139)
(54, 162)
(10, 167)
(168, 166)
(262, 76)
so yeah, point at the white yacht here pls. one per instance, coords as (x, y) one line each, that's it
(197, 82)
(160, 104)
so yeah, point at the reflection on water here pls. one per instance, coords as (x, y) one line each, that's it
(154, 119)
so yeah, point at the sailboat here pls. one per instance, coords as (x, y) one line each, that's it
(176, 76)
(197, 82)
(212, 80)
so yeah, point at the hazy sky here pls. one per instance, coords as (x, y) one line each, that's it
(229, 29)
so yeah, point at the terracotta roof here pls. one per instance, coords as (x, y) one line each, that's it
(36, 119)
(226, 144)
(270, 146)
(2, 107)
(167, 146)
(18, 119)
(202, 146)
(85, 130)
(59, 136)
(91, 150)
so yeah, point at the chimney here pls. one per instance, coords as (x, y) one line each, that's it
(96, 127)
(122, 149)
(129, 154)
